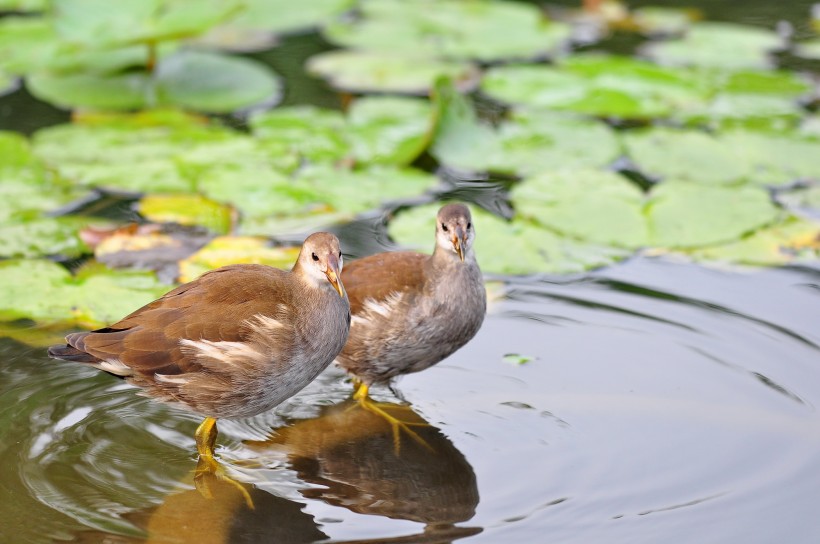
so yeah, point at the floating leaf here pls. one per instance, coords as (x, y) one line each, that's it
(46, 293)
(26, 43)
(654, 21)
(207, 82)
(804, 199)
(600, 207)
(307, 132)
(689, 215)
(23, 5)
(783, 243)
(736, 110)
(478, 30)
(364, 71)
(279, 16)
(355, 191)
(517, 358)
(43, 236)
(739, 46)
(531, 141)
(187, 210)
(8, 83)
(226, 250)
(516, 247)
(737, 155)
(137, 21)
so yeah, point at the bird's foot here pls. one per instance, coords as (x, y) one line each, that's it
(209, 471)
(397, 424)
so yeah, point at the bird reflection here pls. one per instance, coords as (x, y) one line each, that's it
(218, 512)
(352, 455)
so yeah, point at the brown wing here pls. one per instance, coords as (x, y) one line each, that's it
(377, 276)
(214, 307)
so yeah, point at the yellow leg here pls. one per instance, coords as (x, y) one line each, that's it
(364, 400)
(208, 467)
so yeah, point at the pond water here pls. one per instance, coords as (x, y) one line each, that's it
(664, 401)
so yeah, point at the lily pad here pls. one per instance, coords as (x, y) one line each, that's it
(355, 191)
(23, 5)
(207, 82)
(718, 45)
(607, 86)
(531, 141)
(480, 30)
(128, 22)
(8, 83)
(280, 17)
(38, 237)
(519, 247)
(658, 21)
(727, 158)
(809, 49)
(687, 215)
(187, 210)
(365, 71)
(605, 208)
(47, 293)
(793, 240)
(377, 130)
(744, 110)
(804, 199)
(226, 250)
(26, 43)
(600, 207)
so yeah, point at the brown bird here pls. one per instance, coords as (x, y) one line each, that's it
(234, 343)
(412, 310)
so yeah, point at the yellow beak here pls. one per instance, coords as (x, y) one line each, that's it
(332, 274)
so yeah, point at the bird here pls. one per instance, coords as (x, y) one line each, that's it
(233, 343)
(411, 310)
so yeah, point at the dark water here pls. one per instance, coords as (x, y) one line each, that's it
(667, 402)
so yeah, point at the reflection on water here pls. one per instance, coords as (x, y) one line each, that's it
(662, 398)
(351, 455)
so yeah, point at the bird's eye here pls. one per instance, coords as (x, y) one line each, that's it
(315, 257)
(469, 225)
(444, 227)
(340, 254)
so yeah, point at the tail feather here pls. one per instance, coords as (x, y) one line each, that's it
(73, 350)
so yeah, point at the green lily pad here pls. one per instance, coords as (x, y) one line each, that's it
(46, 293)
(280, 17)
(26, 43)
(791, 241)
(531, 141)
(607, 86)
(15, 151)
(718, 45)
(37, 237)
(605, 208)
(366, 71)
(597, 206)
(688, 215)
(226, 250)
(730, 157)
(355, 191)
(517, 358)
(129, 22)
(519, 247)
(479, 29)
(377, 130)
(747, 110)
(187, 210)
(160, 152)
(257, 193)
(310, 133)
(207, 82)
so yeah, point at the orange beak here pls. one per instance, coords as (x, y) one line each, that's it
(458, 242)
(332, 274)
